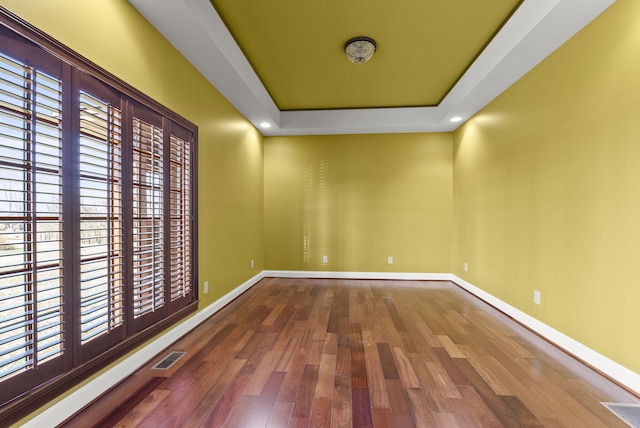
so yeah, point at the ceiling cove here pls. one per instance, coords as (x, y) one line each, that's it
(532, 31)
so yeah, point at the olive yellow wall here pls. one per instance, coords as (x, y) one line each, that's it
(230, 179)
(547, 189)
(117, 38)
(358, 199)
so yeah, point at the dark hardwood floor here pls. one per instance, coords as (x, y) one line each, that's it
(342, 353)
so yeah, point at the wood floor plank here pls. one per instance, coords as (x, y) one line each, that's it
(330, 344)
(280, 415)
(382, 418)
(521, 412)
(209, 401)
(420, 407)
(395, 316)
(287, 353)
(261, 411)
(358, 366)
(255, 349)
(231, 397)
(428, 335)
(497, 406)
(405, 369)
(306, 391)
(292, 380)
(135, 417)
(315, 352)
(453, 370)
(452, 349)
(463, 415)
(240, 412)
(400, 407)
(265, 368)
(343, 360)
(387, 361)
(480, 410)
(361, 407)
(495, 375)
(321, 413)
(186, 387)
(366, 353)
(138, 396)
(326, 377)
(341, 410)
(446, 420)
(428, 384)
(375, 374)
(113, 399)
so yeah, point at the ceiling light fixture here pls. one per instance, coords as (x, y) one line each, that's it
(360, 49)
(455, 119)
(265, 125)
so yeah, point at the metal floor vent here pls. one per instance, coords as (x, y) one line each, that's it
(628, 413)
(168, 361)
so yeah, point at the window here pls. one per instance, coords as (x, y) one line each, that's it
(97, 227)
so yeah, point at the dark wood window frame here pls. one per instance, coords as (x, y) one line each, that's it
(134, 176)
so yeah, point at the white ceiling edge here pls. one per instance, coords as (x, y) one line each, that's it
(534, 31)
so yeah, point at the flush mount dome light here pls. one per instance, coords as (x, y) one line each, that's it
(360, 49)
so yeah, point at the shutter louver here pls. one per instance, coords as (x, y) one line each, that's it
(180, 215)
(148, 219)
(101, 241)
(31, 264)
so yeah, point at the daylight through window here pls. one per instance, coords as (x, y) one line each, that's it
(97, 204)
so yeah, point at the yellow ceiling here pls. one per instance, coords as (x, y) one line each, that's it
(424, 47)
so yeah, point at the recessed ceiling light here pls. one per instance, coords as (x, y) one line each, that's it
(265, 125)
(455, 119)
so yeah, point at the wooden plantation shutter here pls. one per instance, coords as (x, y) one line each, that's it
(97, 218)
(149, 296)
(101, 240)
(180, 215)
(32, 298)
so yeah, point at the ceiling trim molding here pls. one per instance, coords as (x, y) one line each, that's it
(532, 33)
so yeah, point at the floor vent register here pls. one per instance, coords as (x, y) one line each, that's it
(167, 362)
(628, 413)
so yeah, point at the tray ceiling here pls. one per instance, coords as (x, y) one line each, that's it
(281, 62)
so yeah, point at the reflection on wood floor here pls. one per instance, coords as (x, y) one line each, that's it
(334, 353)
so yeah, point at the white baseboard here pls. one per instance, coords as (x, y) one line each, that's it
(407, 276)
(63, 409)
(610, 368)
(67, 406)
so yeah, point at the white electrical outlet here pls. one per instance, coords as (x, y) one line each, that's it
(390, 260)
(253, 264)
(206, 287)
(536, 297)
(466, 266)
(325, 260)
